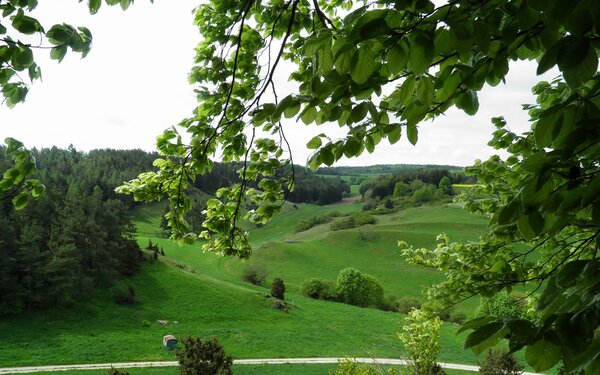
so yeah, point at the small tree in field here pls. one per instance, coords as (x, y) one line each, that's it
(203, 357)
(420, 336)
(278, 288)
(352, 287)
(500, 362)
(445, 186)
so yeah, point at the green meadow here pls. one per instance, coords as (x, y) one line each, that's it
(201, 294)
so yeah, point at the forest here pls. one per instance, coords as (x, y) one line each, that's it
(78, 235)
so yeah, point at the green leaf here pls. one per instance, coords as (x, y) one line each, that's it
(38, 190)
(23, 57)
(292, 110)
(584, 71)
(468, 102)
(58, 53)
(359, 112)
(397, 58)
(549, 59)
(394, 135)
(314, 143)
(549, 295)
(94, 6)
(343, 61)
(309, 115)
(412, 133)
(475, 323)
(59, 34)
(20, 201)
(365, 65)
(352, 147)
(327, 156)
(425, 90)
(573, 50)
(485, 336)
(542, 355)
(524, 228)
(125, 4)
(421, 52)
(509, 213)
(25, 24)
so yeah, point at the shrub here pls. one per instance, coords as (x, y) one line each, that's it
(316, 220)
(501, 305)
(457, 317)
(352, 367)
(206, 357)
(255, 274)
(420, 336)
(356, 219)
(352, 287)
(280, 305)
(375, 296)
(500, 362)
(370, 204)
(123, 294)
(427, 193)
(114, 371)
(389, 303)
(278, 288)
(346, 222)
(318, 289)
(388, 203)
(406, 304)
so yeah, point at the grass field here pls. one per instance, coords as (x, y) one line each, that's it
(205, 296)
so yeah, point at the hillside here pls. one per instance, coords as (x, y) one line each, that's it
(206, 298)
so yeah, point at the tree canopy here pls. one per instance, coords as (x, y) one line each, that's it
(379, 69)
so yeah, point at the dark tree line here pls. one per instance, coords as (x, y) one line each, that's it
(381, 169)
(308, 187)
(383, 186)
(76, 237)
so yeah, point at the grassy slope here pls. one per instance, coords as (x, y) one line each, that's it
(209, 302)
(99, 331)
(321, 253)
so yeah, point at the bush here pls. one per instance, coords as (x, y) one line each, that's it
(278, 288)
(375, 295)
(501, 305)
(356, 219)
(406, 304)
(123, 294)
(316, 220)
(420, 336)
(388, 204)
(389, 303)
(352, 367)
(500, 362)
(427, 193)
(318, 289)
(255, 274)
(205, 357)
(346, 222)
(114, 371)
(352, 287)
(370, 204)
(457, 317)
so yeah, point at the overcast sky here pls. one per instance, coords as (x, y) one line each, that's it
(133, 85)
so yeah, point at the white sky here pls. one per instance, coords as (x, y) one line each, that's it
(133, 85)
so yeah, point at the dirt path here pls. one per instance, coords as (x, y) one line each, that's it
(271, 361)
